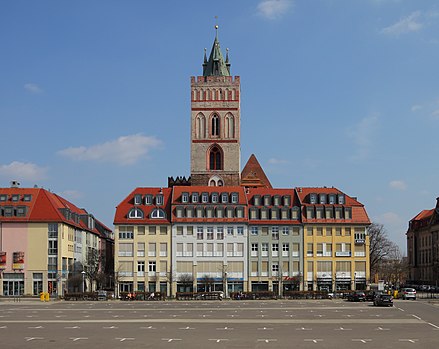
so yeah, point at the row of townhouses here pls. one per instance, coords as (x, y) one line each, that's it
(234, 239)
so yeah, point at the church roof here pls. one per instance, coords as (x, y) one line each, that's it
(253, 176)
(216, 65)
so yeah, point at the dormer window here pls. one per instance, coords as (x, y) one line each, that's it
(234, 198)
(313, 198)
(341, 199)
(276, 200)
(287, 200)
(267, 200)
(159, 199)
(135, 213)
(257, 200)
(158, 213)
(224, 198)
(21, 211)
(15, 197)
(204, 198)
(332, 199)
(185, 198)
(148, 199)
(214, 198)
(3, 197)
(194, 197)
(27, 197)
(137, 199)
(322, 199)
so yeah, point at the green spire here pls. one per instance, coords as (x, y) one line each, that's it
(216, 65)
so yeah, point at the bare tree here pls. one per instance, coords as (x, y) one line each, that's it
(380, 247)
(93, 266)
(186, 280)
(394, 268)
(207, 281)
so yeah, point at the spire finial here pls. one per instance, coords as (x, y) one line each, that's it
(216, 27)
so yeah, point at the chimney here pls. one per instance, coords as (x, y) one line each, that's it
(15, 184)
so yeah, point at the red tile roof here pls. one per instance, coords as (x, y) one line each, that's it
(253, 175)
(125, 206)
(44, 206)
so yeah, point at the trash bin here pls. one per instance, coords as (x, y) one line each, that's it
(46, 296)
(42, 296)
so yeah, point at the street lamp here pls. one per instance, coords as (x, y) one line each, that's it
(83, 281)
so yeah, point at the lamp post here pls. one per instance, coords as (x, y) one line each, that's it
(83, 281)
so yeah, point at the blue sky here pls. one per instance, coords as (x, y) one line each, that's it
(94, 96)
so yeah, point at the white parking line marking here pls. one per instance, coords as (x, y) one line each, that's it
(225, 328)
(303, 329)
(218, 340)
(169, 340)
(111, 327)
(342, 329)
(3, 326)
(433, 325)
(28, 339)
(267, 340)
(72, 327)
(362, 340)
(417, 317)
(265, 328)
(187, 328)
(383, 329)
(124, 339)
(400, 309)
(148, 328)
(36, 327)
(409, 340)
(78, 338)
(313, 340)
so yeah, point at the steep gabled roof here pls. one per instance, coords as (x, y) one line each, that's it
(253, 176)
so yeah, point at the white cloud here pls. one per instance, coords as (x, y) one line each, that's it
(363, 134)
(274, 161)
(408, 24)
(23, 171)
(398, 185)
(125, 150)
(273, 9)
(33, 88)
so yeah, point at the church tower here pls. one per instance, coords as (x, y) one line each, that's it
(215, 122)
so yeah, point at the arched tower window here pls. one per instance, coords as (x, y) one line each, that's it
(200, 126)
(229, 126)
(215, 126)
(215, 159)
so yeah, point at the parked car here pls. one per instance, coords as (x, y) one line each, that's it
(371, 295)
(383, 300)
(357, 296)
(408, 293)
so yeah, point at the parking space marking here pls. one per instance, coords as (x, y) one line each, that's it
(3, 326)
(123, 339)
(267, 340)
(110, 327)
(265, 329)
(72, 327)
(28, 339)
(435, 326)
(303, 329)
(409, 340)
(225, 328)
(316, 340)
(78, 339)
(148, 328)
(362, 340)
(169, 340)
(382, 329)
(187, 328)
(416, 317)
(218, 340)
(342, 329)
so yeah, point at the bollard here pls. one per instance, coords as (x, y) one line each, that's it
(46, 296)
(42, 296)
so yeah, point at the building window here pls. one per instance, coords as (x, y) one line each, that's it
(204, 198)
(230, 231)
(200, 235)
(275, 233)
(159, 199)
(215, 158)
(135, 213)
(158, 213)
(152, 266)
(185, 197)
(219, 233)
(209, 233)
(215, 126)
(240, 231)
(224, 198)
(26, 197)
(275, 250)
(234, 198)
(148, 199)
(254, 230)
(254, 249)
(194, 197)
(126, 232)
(285, 231)
(137, 199)
(214, 198)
